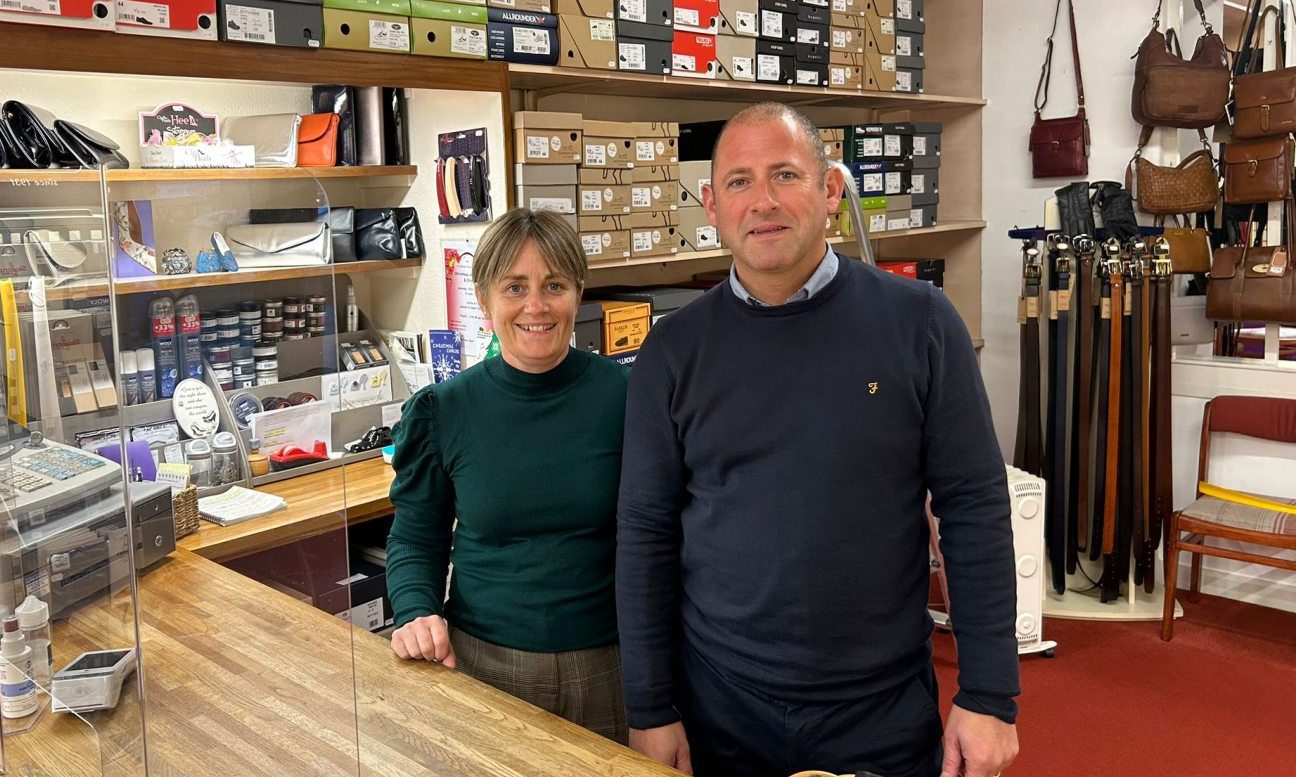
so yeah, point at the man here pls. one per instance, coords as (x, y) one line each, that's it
(782, 433)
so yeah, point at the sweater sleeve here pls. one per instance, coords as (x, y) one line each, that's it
(418, 547)
(965, 474)
(653, 489)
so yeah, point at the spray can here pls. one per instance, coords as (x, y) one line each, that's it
(189, 336)
(130, 378)
(147, 375)
(162, 323)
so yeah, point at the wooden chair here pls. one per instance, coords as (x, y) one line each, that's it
(1266, 418)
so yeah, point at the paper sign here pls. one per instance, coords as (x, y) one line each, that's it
(357, 388)
(298, 426)
(391, 414)
(464, 315)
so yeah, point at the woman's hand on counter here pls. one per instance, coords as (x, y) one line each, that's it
(427, 638)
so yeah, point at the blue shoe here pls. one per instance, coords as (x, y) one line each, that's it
(227, 262)
(207, 261)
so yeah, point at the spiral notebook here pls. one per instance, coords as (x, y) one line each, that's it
(239, 504)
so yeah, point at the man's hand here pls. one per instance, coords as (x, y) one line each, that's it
(664, 744)
(427, 638)
(977, 745)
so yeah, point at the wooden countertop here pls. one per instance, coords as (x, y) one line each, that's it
(317, 503)
(242, 680)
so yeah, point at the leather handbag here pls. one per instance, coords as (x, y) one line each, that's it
(340, 100)
(90, 148)
(1060, 147)
(1264, 102)
(341, 221)
(36, 143)
(274, 136)
(1191, 186)
(1190, 248)
(411, 236)
(1170, 91)
(1254, 283)
(258, 246)
(1257, 170)
(377, 236)
(317, 140)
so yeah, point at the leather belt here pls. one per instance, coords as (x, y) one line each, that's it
(1101, 358)
(1028, 452)
(1115, 315)
(442, 205)
(1061, 262)
(1160, 487)
(1081, 403)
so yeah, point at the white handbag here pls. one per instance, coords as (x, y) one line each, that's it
(257, 246)
(273, 135)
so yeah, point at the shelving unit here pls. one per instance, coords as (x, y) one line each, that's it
(135, 175)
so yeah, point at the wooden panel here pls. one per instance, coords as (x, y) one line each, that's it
(205, 280)
(243, 680)
(952, 45)
(962, 254)
(215, 174)
(55, 48)
(317, 504)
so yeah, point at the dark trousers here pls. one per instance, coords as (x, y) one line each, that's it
(735, 731)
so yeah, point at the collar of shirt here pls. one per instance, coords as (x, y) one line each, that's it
(825, 272)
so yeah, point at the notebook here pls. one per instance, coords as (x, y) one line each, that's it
(239, 504)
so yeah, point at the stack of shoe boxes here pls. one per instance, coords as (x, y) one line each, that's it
(547, 147)
(276, 22)
(834, 149)
(811, 42)
(645, 32)
(521, 31)
(879, 45)
(587, 33)
(693, 50)
(910, 27)
(695, 231)
(367, 25)
(776, 42)
(896, 168)
(736, 41)
(628, 190)
(442, 29)
(847, 34)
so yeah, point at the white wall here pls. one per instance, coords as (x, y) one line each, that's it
(1110, 32)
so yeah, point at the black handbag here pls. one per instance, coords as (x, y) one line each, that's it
(33, 142)
(411, 236)
(341, 221)
(376, 234)
(340, 100)
(88, 147)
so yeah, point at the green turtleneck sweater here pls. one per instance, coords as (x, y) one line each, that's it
(529, 464)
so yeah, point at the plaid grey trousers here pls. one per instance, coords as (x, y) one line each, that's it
(583, 686)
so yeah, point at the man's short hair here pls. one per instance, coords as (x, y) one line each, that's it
(771, 111)
(558, 243)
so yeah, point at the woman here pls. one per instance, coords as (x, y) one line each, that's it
(525, 452)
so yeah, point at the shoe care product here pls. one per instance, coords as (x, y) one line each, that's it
(17, 691)
(163, 326)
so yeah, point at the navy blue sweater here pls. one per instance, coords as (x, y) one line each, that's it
(771, 511)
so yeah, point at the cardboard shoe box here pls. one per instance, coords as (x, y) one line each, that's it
(654, 241)
(656, 143)
(695, 231)
(587, 42)
(897, 140)
(845, 77)
(847, 7)
(602, 200)
(644, 48)
(846, 39)
(881, 34)
(367, 25)
(811, 74)
(448, 29)
(654, 173)
(831, 137)
(909, 16)
(865, 143)
(852, 20)
(775, 62)
(663, 299)
(658, 13)
(524, 37)
(908, 44)
(883, 8)
(740, 17)
(192, 19)
(927, 144)
(534, 6)
(551, 187)
(608, 144)
(701, 16)
(880, 72)
(607, 244)
(632, 221)
(625, 325)
(924, 186)
(909, 80)
(654, 196)
(277, 22)
(693, 55)
(593, 9)
(547, 137)
(736, 57)
(777, 25)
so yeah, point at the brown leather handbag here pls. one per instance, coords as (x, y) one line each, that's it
(1257, 170)
(1190, 248)
(1170, 91)
(1254, 284)
(1264, 102)
(1190, 187)
(317, 140)
(1060, 147)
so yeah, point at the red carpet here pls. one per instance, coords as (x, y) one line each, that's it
(1219, 700)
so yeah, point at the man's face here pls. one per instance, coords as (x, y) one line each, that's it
(768, 200)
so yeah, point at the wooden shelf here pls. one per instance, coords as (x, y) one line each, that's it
(553, 80)
(34, 47)
(175, 282)
(693, 256)
(208, 174)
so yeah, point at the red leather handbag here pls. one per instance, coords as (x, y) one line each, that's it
(317, 140)
(1060, 147)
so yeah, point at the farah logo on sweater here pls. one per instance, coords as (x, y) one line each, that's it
(873, 387)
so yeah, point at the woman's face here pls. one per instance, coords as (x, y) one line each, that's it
(533, 312)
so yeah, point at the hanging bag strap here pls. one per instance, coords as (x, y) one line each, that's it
(1046, 72)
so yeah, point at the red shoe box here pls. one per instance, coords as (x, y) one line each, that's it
(694, 55)
(697, 16)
